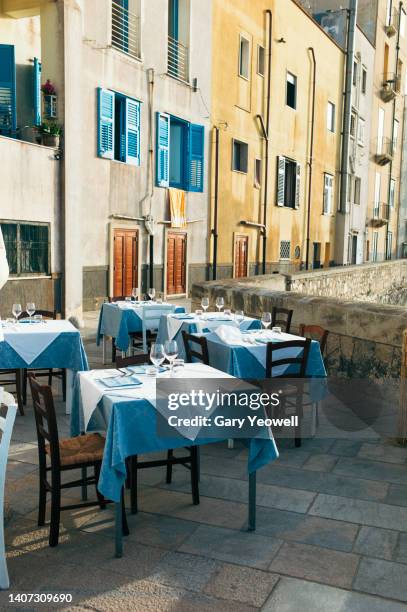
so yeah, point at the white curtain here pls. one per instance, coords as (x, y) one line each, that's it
(4, 270)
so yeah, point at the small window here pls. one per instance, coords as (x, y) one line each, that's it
(288, 183)
(353, 122)
(27, 248)
(355, 73)
(356, 190)
(240, 156)
(389, 245)
(328, 193)
(244, 56)
(361, 132)
(395, 135)
(392, 195)
(364, 80)
(402, 23)
(260, 60)
(330, 117)
(285, 249)
(257, 173)
(291, 94)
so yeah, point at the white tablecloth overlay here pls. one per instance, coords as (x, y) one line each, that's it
(211, 321)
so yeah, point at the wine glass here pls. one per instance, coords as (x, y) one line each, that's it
(16, 310)
(157, 355)
(266, 319)
(171, 352)
(30, 308)
(134, 293)
(151, 293)
(239, 317)
(205, 303)
(220, 303)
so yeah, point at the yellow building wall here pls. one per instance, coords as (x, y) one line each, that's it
(235, 104)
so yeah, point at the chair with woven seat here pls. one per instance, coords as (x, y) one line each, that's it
(42, 372)
(60, 455)
(190, 340)
(281, 317)
(13, 378)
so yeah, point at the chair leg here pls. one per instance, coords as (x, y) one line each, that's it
(113, 350)
(101, 499)
(24, 384)
(42, 501)
(170, 455)
(64, 385)
(194, 475)
(125, 525)
(50, 373)
(4, 579)
(55, 510)
(19, 392)
(133, 485)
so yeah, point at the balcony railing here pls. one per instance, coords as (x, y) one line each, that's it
(390, 86)
(125, 30)
(392, 24)
(178, 60)
(384, 151)
(381, 214)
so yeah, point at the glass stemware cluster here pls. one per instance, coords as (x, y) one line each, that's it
(160, 352)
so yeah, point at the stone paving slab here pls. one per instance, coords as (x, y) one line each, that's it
(374, 470)
(383, 578)
(241, 584)
(383, 452)
(374, 542)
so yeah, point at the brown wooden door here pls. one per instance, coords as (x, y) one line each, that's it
(176, 263)
(125, 267)
(241, 256)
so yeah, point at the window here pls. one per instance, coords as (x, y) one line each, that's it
(291, 93)
(316, 255)
(8, 116)
(395, 135)
(328, 194)
(118, 127)
(389, 244)
(179, 153)
(353, 123)
(355, 73)
(356, 190)
(392, 194)
(380, 131)
(402, 23)
(240, 152)
(260, 60)
(375, 241)
(285, 249)
(330, 117)
(361, 132)
(376, 206)
(388, 12)
(257, 173)
(27, 247)
(178, 39)
(288, 183)
(244, 57)
(364, 80)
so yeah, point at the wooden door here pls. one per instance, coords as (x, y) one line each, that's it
(241, 256)
(176, 263)
(125, 261)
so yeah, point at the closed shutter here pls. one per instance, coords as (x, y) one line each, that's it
(297, 186)
(105, 123)
(37, 91)
(196, 158)
(8, 118)
(280, 181)
(163, 150)
(132, 130)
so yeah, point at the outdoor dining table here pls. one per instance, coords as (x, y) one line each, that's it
(120, 319)
(172, 326)
(39, 344)
(129, 418)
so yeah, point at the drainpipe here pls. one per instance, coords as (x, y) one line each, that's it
(267, 134)
(215, 212)
(347, 107)
(311, 153)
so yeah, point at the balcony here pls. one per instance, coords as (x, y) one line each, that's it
(390, 86)
(381, 214)
(392, 25)
(384, 151)
(178, 60)
(125, 30)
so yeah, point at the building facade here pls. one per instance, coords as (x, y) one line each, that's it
(123, 202)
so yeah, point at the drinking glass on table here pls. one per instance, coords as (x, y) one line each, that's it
(157, 355)
(228, 312)
(220, 303)
(171, 352)
(30, 309)
(151, 293)
(134, 293)
(16, 310)
(239, 317)
(205, 304)
(266, 319)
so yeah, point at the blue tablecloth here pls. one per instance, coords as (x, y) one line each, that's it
(119, 323)
(131, 430)
(191, 328)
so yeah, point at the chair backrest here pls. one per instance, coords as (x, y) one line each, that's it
(281, 317)
(46, 314)
(6, 428)
(45, 421)
(141, 359)
(289, 358)
(192, 354)
(117, 298)
(315, 332)
(151, 315)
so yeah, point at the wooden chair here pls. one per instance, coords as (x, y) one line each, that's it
(315, 332)
(49, 372)
(190, 461)
(6, 428)
(291, 397)
(57, 456)
(281, 317)
(13, 378)
(191, 353)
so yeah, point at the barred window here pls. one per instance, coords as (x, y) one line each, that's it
(285, 249)
(27, 247)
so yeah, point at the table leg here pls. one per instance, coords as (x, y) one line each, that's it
(118, 529)
(69, 391)
(104, 350)
(231, 443)
(252, 502)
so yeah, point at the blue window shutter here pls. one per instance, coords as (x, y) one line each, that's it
(8, 115)
(132, 132)
(105, 123)
(163, 150)
(196, 158)
(37, 91)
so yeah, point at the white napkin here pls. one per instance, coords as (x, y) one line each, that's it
(229, 334)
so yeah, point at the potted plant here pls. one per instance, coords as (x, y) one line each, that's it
(50, 99)
(50, 133)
